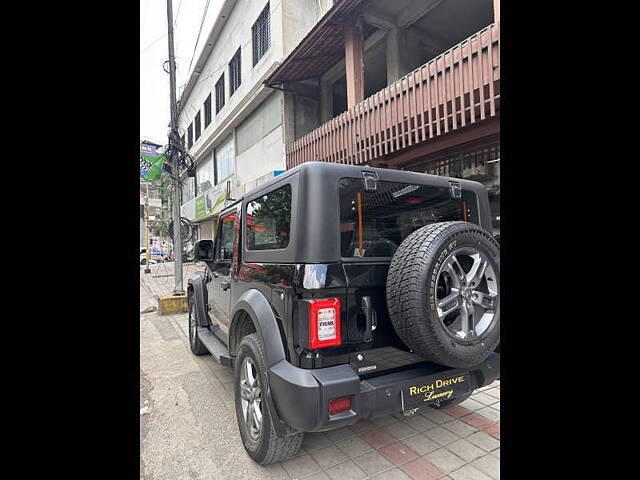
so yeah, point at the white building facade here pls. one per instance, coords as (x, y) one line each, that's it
(233, 126)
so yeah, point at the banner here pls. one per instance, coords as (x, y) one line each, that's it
(209, 203)
(151, 162)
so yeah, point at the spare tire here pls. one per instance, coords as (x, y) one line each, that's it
(443, 293)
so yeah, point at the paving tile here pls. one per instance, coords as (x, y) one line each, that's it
(493, 430)
(496, 453)
(490, 413)
(466, 450)
(398, 453)
(363, 425)
(400, 416)
(489, 465)
(339, 434)
(420, 423)
(468, 472)
(384, 421)
(476, 420)
(483, 398)
(461, 429)
(441, 436)
(494, 392)
(317, 476)
(435, 415)
(299, 466)
(327, 457)
(373, 462)
(444, 460)
(399, 430)
(315, 440)
(346, 471)
(456, 411)
(377, 438)
(495, 383)
(496, 406)
(421, 444)
(392, 474)
(471, 404)
(276, 472)
(353, 447)
(421, 469)
(484, 441)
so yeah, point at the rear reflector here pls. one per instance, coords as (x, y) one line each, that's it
(339, 405)
(324, 323)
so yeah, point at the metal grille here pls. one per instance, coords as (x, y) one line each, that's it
(460, 87)
(234, 73)
(198, 126)
(207, 111)
(476, 163)
(220, 93)
(261, 34)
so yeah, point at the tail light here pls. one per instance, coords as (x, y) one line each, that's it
(339, 405)
(324, 323)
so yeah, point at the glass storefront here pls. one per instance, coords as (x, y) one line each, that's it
(480, 162)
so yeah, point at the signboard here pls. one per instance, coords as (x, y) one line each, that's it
(151, 162)
(210, 202)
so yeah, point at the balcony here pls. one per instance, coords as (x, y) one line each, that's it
(457, 89)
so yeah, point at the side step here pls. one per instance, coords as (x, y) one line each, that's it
(215, 346)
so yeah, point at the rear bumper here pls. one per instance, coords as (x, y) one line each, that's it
(301, 397)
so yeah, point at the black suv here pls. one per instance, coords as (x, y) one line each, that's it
(339, 292)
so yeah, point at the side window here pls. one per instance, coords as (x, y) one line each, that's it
(269, 220)
(224, 244)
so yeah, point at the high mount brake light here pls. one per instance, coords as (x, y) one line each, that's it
(324, 323)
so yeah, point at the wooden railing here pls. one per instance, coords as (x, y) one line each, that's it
(458, 88)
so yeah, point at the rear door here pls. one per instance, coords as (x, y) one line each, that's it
(373, 224)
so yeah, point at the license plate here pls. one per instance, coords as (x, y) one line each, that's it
(424, 391)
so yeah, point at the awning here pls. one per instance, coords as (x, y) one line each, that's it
(322, 47)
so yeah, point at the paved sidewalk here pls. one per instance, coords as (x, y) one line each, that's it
(191, 432)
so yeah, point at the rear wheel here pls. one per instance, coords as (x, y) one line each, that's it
(254, 420)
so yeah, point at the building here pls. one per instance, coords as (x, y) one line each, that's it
(408, 84)
(232, 124)
(155, 202)
(155, 206)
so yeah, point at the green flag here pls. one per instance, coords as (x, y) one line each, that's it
(151, 162)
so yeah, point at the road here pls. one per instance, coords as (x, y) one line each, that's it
(188, 426)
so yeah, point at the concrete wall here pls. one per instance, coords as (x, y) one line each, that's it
(256, 113)
(236, 33)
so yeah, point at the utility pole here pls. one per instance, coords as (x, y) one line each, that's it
(173, 139)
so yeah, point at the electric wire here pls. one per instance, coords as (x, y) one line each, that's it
(195, 47)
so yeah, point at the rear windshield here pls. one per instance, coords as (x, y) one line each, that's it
(373, 224)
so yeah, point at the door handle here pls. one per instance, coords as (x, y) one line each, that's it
(225, 285)
(371, 319)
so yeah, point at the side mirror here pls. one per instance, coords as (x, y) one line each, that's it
(203, 250)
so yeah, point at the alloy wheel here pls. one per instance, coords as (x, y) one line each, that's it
(251, 398)
(467, 294)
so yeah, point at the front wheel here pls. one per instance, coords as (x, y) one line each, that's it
(197, 348)
(254, 421)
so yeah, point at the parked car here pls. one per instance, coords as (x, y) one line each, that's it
(341, 292)
(155, 256)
